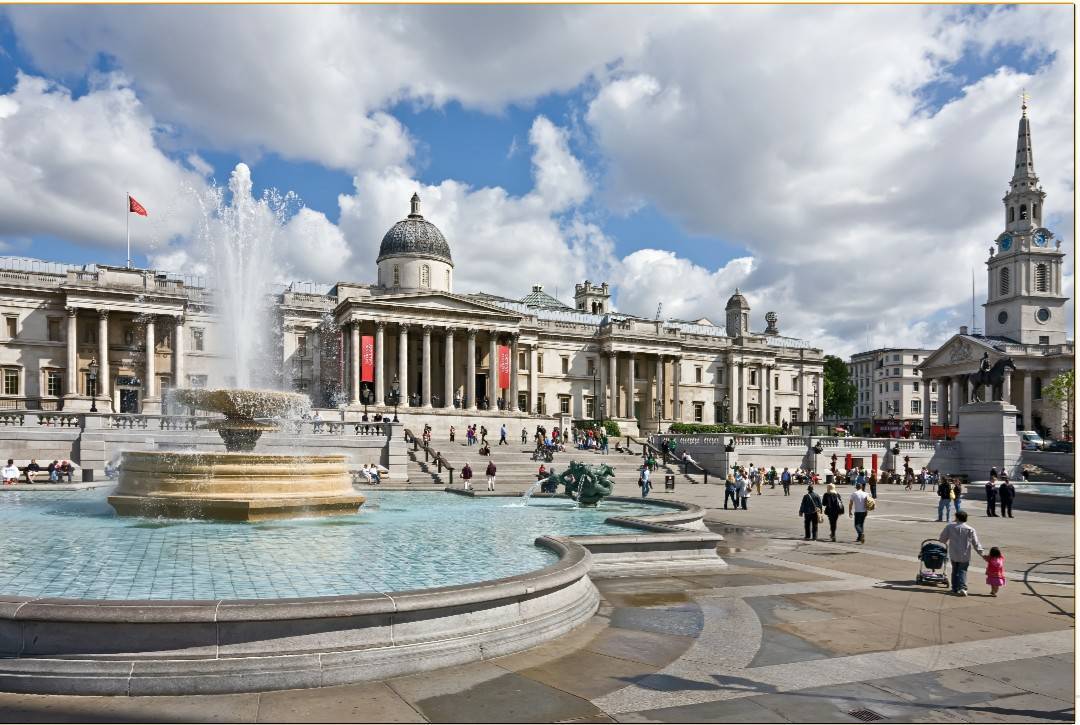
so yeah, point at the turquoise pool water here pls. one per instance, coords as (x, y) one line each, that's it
(71, 544)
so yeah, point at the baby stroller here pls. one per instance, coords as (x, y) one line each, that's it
(933, 556)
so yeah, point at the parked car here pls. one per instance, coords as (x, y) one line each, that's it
(1031, 441)
(1059, 447)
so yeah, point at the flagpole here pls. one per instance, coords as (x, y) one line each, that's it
(127, 217)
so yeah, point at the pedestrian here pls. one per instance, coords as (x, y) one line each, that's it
(785, 481)
(833, 506)
(960, 538)
(490, 475)
(524, 436)
(466, 477)
(730, 492)
(643, 481)
(873, 485)
(743, 482)
(922, 479)
(10, 473)
(451, 434)
(604, 444)
(502, 435)
(945, 497)
(991, 497)
(54, 471)
(32, 470)
(995, 570)
(755, 478)
(483, 434)
(810, 510)
(958, 492)
(1006, 492)
(772, 477)
(858, 504)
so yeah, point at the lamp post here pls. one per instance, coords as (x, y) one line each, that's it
(811, 408)
(92, 374)
(659, 405)
(366, 395)
(394, 396)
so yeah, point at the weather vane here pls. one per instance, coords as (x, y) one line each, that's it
(1024, 98)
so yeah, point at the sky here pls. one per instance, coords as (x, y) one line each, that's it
(842, 166)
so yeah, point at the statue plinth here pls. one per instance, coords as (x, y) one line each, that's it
(988, 439)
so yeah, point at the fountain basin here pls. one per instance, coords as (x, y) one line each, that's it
(233, 486)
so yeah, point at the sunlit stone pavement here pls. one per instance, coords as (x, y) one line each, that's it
(792, 631)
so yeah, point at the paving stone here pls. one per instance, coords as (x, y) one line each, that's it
(850, 637)
(776, 610)
(1043, 675)
(743, 709)
(648, 648)
(64, 708)
(588, 674)
(937, 627)
(366, 702)
(832, 704)
(947, 688)
(1019, 708)
(685, 619)
(649, 599)
(779, 647)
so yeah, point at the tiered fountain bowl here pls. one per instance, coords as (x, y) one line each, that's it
(240, 484)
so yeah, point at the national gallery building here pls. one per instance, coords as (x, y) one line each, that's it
(76, 336)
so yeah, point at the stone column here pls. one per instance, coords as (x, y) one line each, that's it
(733, 390)
(744, 392)
(72, 388)
(630, 412)
(534, 379)
(926, 408)
(514, 372)
(613, 384)
(151, 372)
(676, 369)
(380, 368)
(943, 401)
(661, 394)
(178, 352)
(425, 369)
(493, 371)
(767, 395)
(470, 370)
(1006, 388)
(1027, 400)
(103, 356)
(354, 363)
(403, 363)
(954, 401)
(448, 369)
(802, 393)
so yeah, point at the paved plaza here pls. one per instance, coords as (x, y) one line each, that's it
(792, 631)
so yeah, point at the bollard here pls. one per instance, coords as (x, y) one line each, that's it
(669, 482)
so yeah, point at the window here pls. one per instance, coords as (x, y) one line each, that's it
(301, 346)
(11, 381)
(198, 339)
(753, 377)
(91, 386)
(564, 404)
(793, 414)
(776, 382)
(521, 362)
(590, 407)
(1003, 286)
(541, 403)
(881, 408)
(425, 276)
(896, 387)
(776, 416)
(539, 362)
(448, 280)
(54, 329)
(915, 386)
(914, 358)
(11, 325)
(1035, 212)
(54, 383)
(1042, 279)
(565, 366)
(1012, 213)
(1023, 212)
(129, 336)
(916, 406)
(933, 407)
(697, 374)
(896, 358)
(699, 412)
(397, 276)
(1042, 315)
(197, 381)
(1036, 385)
(89, 333)
(933, 387)
(896, 371)
(523, 401)
(1044, 339)
(795, 384)
(752, 412)
(590, 368)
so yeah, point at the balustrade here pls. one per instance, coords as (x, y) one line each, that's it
(60, 420)
(15, 419)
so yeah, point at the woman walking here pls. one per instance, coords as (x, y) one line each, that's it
(834, 506)
(810, 509)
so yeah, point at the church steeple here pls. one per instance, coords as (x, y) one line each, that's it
(1025, 162)
(1023, 203)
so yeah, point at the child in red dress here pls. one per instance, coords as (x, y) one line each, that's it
(995, 570)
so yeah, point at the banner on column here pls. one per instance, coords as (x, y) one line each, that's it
(367, 359)
(504, 367)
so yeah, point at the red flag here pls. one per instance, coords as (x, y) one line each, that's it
(135, 207)
(367, 359)
(504, 367)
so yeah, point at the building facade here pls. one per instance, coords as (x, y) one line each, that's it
(146, 332)
(890, 388)
(1024, 311)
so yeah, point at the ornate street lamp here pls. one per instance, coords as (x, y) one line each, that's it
(366, 395)
(394, 396)
(725, 408)
(92, 378)
(659, 413)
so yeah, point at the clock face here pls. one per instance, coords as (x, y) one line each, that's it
(1006, 242)
(1040, 239)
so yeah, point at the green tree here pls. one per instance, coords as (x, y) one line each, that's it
(1062, 389)
(840, 392)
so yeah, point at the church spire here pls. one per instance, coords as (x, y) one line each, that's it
(1025, 162)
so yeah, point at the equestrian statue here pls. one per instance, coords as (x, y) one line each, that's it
(992, 375)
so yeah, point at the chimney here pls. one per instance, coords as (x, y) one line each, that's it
(963, 329)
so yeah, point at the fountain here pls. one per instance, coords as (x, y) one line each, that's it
(238, 485)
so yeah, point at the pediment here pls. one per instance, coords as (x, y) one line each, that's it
(436, 302)
(961, 350)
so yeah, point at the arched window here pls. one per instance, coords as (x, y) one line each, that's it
(1023, 212)
(1012, 214)
(1042, 278)
(1035, 212)
(397, 276)
(1004, 281)
(448, 280)
(425, 276)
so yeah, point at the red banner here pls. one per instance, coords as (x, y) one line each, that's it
(367, 359)
(504, 367)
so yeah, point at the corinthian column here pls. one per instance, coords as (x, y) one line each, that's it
(470, 369)
(425, 369)
(403, 363)
(103, 356)
(178, 352)
(72, 387)
(613, 384)
(380, 368)
(151, 373)
(354, 359)
(448, 369)
(512, 403)
(493, 370)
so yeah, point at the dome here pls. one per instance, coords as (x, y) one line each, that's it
(414, 236)
(737, 301)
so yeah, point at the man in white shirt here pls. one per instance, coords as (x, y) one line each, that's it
(10, 472)
(960, 538)
(857, 508)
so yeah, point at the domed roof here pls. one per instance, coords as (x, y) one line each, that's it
(737, 300)
(414, 236)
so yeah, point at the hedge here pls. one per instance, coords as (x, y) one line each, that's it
(693, 428)
(610, 427)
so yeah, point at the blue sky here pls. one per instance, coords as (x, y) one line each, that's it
(681, 164)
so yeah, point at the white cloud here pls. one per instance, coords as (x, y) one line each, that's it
(66, 165)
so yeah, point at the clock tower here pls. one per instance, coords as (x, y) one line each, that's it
(1024, 301)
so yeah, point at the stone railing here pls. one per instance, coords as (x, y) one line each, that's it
(48, 280)
(59, 420)
(12, 419)
(135, 421)
(31, 403)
